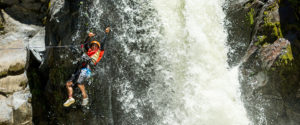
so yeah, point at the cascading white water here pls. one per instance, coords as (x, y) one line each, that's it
(191, 83)
(198, 89)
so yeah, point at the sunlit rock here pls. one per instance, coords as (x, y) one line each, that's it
(12, 84)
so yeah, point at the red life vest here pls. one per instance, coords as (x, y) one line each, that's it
(96, 55)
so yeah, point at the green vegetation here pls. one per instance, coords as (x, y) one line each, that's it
(270, 31)
(288, 56)
(273, 6)
(250, 16)
(273, 28)
(261, 40)
(49, 5)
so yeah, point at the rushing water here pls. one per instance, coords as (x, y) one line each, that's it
(166, 63)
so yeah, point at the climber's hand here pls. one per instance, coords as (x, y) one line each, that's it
(91, 34)
(107, 30)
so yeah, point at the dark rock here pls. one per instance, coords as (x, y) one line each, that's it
(32, 6)
(27, 1)
(298, 94)
(24, 15)
(9, 2)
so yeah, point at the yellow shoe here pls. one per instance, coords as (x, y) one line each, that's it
(69, 102)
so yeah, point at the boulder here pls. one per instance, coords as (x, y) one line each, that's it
(6, 113)
(11, 84)
(12, 60)
(16, 109)
(270, 52)
(270, 67)
(22, 111)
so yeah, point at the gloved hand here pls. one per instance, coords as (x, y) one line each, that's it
(85, 58)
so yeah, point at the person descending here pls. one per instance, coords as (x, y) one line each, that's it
(93, 52)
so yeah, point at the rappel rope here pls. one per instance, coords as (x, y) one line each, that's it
(46, 47)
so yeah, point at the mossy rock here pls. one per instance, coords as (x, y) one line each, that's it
(270, 29)
(288, 56)
(261, 39)
(17, 67)
(3, 73)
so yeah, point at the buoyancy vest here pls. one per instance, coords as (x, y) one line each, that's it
(96, 55)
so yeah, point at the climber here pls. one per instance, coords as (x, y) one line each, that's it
(93, 52)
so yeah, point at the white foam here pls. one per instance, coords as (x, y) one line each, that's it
(202, 90)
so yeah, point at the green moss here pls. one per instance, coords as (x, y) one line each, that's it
(17, 67)
(250, 16)
(44, 20)
(49, 4)
(266, 44)
(272, 30)
(3, 73)
(273, 6)
(261, 40)
(288, 56)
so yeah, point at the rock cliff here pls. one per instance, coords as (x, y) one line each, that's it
(20, 21)
(270, 65)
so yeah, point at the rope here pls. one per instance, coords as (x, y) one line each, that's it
(46, 47)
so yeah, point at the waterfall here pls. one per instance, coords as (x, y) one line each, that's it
(201, 87)
(167, 63)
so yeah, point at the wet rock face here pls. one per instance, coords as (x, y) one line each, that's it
(270, 67)
(47, 79)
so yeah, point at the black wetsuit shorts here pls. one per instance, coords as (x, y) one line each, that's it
(81, 76)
